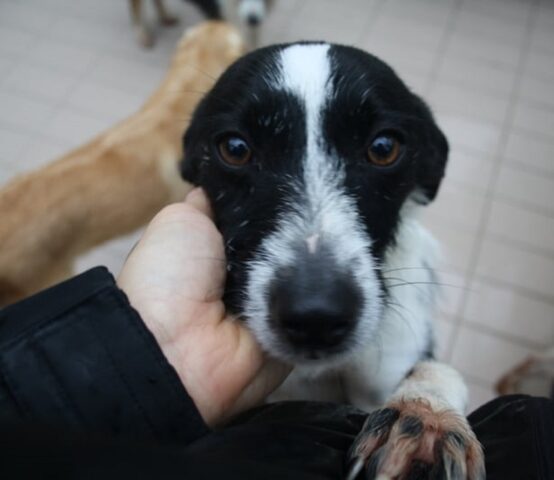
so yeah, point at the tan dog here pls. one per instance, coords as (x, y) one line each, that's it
(113, 184)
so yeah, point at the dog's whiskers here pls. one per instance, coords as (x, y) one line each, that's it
(416, 283)
(410, 268)
(393, 306)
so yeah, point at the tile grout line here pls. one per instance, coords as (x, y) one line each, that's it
(522, 246)
(432, 221)
(376, 12)
(443, 47)
(20, 59)
(55, 105)
(523, 291)
(529, 207)
(508, 337)
(538, 171)
(58, 106)
(534, 134)
(498, 334)
(497, 165)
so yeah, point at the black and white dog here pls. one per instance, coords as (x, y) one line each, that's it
(315, 158)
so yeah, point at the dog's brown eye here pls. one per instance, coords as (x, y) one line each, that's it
(234, 151)
(383, 151)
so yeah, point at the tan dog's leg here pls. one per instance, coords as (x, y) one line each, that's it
(142, 32)
(164, 16)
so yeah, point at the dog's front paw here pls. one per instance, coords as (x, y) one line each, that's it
(411, 440)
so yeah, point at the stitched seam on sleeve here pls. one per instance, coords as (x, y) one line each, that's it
(46, 330)
(53, 321)
(132, 318)
(122, 377)
(63, 395)
(13, 390)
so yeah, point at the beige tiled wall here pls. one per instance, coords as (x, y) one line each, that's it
(69, 69)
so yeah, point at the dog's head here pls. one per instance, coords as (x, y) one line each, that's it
(308, 153)
(253, 12)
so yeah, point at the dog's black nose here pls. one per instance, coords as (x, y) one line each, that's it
(253, 20)
(313, 307)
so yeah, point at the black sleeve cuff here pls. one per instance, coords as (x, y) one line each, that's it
(78, 355)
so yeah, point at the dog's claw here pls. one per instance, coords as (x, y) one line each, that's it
(410, 438)
(355, 468)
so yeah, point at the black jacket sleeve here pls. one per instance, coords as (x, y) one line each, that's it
(78, 356)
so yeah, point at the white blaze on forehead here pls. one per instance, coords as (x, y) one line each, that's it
(305, 71)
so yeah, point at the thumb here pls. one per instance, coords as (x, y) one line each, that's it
(272, 374)
(197, 199)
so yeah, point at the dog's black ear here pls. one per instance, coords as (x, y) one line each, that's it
(190, 163)
(434, 164)
(434, 155)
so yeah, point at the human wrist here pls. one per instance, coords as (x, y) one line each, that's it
(170, 341)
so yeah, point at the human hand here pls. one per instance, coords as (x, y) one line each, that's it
(174, 278)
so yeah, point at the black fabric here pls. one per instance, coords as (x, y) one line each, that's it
(517, 433)
(291, 440)
(85, 392)
(78, 356)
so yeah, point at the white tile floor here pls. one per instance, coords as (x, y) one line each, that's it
(486, 67)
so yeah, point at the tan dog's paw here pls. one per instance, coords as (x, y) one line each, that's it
(409, 440)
